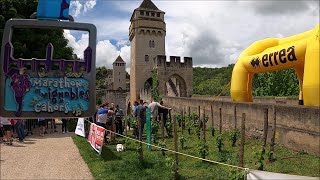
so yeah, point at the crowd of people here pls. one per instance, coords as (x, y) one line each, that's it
(111, 117)
(156, 109)
(108, 116)
(11, 129)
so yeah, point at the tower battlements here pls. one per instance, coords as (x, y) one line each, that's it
(175, 61)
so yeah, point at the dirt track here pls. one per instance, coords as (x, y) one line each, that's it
(54, 156)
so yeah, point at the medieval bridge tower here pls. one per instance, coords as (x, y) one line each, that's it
(147, 33)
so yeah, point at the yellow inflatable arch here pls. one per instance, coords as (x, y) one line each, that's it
(300, 52)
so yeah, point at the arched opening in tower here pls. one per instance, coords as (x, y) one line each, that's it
(176, 86)
(148, 84)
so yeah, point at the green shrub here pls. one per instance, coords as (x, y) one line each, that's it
(234, 136)
(203, 149)
(182, 140)
(219, 142)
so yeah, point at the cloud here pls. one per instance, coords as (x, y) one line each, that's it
(75, 8)
(214, 33)
(123, 42)
(78, 8)
(106, 53)
(276, 7)
(89, 5)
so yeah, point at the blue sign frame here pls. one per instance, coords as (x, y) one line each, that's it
(40, 90)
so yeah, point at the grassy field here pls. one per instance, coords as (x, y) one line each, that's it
(117, 165)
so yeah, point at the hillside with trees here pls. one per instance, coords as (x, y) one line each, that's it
(216, 82)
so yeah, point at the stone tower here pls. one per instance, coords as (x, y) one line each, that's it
(119, 74)
(147, 33)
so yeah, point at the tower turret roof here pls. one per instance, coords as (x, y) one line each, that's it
(148, 4)
(119, 60)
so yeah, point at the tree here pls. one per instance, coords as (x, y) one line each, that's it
(155, 83)
(277, 83)
(216, 82)
(31, 43)
(102, 74)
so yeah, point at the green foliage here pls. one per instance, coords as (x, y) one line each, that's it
(154, 129)
(259, 155)
(102, 73)
(203, 149)
(138, 148)
(162, 144)
(237, 175)
(234, 136)
(183, 141)
(31, 43)
(277, 83)
(155, 83)
(125, 165)
(219, 142)
(212, 130)
(132, 122)
(193, 123)
(170, 163)
(169, 128)
(128, 143)
(215, 82)
(179, 119)
(197, 131)
(212, 81)
(99, 101)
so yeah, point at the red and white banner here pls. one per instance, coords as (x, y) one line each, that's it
(96, 137)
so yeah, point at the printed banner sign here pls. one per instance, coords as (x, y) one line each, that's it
(263, 175)
(96, 137)
(80, 128)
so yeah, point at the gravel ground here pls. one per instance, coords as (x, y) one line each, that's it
(54, 156)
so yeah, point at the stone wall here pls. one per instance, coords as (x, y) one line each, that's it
(116, 97)
(273, 100)
(297, 127)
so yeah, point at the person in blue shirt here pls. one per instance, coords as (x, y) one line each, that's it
(102, 117)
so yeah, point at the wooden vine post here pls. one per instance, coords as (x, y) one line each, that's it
(212, 121)
(220, 121)
(176, 176)
(265, 131)
(140, 149)
(243, 133)
(204, 127)
(235, 116)
(162, 127)
(270, 158)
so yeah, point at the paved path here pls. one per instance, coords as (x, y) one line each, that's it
(54, 156)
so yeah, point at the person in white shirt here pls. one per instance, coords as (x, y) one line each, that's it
(154, 108)
(5, 122)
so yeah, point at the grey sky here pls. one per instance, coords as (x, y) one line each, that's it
(214, 33)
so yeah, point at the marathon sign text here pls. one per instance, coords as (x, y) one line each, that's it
(67, 95)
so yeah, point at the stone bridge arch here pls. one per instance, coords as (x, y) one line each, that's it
(175, 77)
(175, 86)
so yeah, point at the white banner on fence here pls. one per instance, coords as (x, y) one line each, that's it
(263, 175)
(80, 127)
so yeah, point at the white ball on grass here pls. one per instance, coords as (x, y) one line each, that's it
(120, 148)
